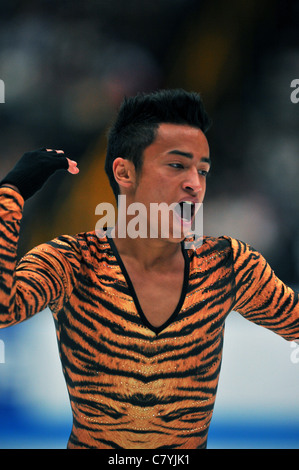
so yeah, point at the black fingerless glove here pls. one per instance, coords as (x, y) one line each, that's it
(33, 170)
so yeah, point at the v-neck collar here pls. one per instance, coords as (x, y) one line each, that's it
(143, 318)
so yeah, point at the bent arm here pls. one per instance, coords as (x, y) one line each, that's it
(260, 296)
(44, 277)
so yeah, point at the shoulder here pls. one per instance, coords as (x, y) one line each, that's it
(224, 248)
(208, 254)
(87, 245)
(207, 246)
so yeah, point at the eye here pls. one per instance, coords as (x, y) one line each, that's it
(203, 172)
(176, 165)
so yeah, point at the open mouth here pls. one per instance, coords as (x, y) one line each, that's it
(185, 210)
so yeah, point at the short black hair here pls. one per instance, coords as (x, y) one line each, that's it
(138, 119)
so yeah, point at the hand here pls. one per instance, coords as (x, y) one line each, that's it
(34, 168)
(72, 168)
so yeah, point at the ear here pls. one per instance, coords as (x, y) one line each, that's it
(124, 172)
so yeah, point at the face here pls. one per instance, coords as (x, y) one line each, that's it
(174, 170)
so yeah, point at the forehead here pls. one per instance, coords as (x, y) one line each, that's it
(179, 137)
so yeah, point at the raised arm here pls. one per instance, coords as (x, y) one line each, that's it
(45, 275)
(34, 168)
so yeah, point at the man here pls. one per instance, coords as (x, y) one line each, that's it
(140, 321)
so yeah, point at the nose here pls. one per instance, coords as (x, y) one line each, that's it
(193, 183)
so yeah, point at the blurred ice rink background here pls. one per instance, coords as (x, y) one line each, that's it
(66, 67)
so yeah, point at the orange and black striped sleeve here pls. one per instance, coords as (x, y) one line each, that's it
(260, 296)
(43, 277)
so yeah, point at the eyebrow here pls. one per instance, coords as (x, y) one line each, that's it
(189, 155)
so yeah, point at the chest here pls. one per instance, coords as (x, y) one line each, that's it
(158, 295)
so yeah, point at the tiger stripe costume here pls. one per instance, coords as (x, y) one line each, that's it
(133, 386)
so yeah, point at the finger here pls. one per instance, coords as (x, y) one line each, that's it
(57, 151)
(73, 169)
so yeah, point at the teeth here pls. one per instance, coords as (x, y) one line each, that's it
(186, 210)
(186, 203)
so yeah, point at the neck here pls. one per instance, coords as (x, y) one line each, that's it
(148, 252)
